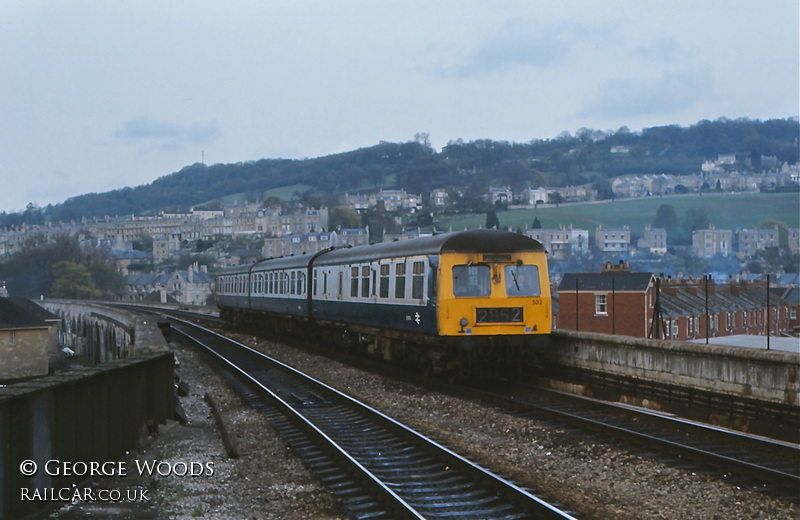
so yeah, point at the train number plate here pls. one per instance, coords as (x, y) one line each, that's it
(499, 315)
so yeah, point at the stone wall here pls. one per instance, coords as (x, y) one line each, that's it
(769, 376)
(90, 414)
(24, 353)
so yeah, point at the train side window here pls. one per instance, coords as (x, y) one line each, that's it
(301, 279)
(400, 281)
(472, 280)
(314, 276)
(383, 291)
(365, 281)
(324, 283)
(418, 280)
(354, 282)
(291, 284)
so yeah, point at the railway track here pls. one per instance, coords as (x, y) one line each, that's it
(761, 463)
(378, 467)
(755, 462)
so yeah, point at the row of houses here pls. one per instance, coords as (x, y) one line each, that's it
(617, 301)
(715, 175)
(195, 285)
(197, 224)
(710, 242)
(564, 241)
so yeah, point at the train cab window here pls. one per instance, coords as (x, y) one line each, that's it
(400, 281)
(418, 280)
(383, 291)
(354, 282)
(365, 281)
(522, 280)
(472, 280)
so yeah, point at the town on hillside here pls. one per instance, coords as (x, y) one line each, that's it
(169, 257)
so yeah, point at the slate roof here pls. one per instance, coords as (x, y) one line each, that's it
(632, 282)
(14, 315)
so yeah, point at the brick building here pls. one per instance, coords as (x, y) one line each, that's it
(692, 309)
(614, 301)
(617, 301)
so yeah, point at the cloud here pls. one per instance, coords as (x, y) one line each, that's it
(168, 135)
(665, 50)
(667, 94)
(519, 44)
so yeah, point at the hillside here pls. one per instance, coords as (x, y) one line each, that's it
(745, 211)
(589, 157)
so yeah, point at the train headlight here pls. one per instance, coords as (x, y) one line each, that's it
(463, 323)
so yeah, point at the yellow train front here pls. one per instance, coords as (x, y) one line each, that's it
(494, 302)
(493, 294)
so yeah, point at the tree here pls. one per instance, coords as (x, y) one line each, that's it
(343, 216)
(604, 191)
(492, 222)
(536, 223)
(71, 280)
(696, 218)
(107, 279)
(666, 218)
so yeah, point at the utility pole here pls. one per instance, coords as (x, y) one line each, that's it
(708, 317)
(768, 324)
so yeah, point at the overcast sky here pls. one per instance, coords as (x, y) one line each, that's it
(96, 95)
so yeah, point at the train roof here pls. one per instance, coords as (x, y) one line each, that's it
(471, 241)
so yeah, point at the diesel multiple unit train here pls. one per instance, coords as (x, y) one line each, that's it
(454, 302)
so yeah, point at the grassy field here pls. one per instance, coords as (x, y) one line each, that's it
(727, 211)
